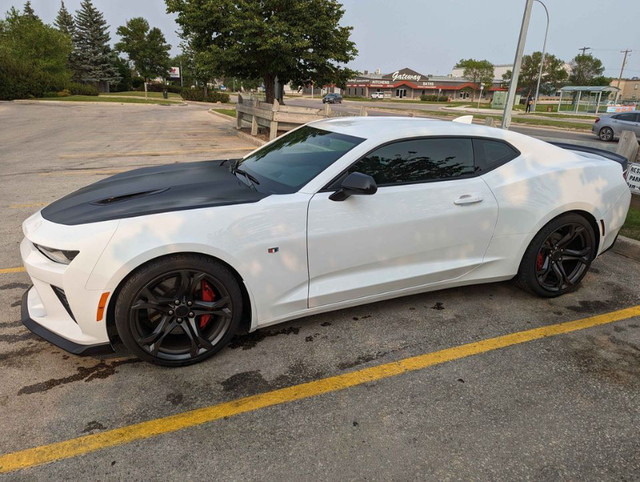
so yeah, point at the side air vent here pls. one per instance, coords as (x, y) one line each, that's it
(63, 299)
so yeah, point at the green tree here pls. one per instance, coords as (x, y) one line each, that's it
(293, 41)
(64, 21)
(29, 12)
(145, 47)
(586, 70)
(91, 60)
(124, 71)
(478, 72)
(33, 57)
(554, 74)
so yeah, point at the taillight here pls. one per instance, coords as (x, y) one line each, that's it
(597, 119)
(624, 173)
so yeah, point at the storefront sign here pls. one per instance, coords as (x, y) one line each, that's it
(633, 178)
(398, 76)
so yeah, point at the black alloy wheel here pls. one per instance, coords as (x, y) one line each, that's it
(606, 134)
(179, 312)
(558, 257)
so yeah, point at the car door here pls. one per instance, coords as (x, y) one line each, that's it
(431, 220)
(627, 121)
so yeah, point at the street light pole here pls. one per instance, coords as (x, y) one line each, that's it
(544, 51)
(511, 95)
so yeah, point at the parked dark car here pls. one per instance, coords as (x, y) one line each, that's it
(332, 99)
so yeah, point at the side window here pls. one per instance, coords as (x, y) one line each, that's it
(490, 154)
(418, 160)
(626, 117)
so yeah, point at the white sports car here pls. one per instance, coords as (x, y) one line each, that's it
(175, 259)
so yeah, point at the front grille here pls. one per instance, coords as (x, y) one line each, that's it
(63, 299)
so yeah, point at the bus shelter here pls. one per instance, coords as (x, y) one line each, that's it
(586, 98)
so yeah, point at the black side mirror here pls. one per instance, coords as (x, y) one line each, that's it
(355, 183)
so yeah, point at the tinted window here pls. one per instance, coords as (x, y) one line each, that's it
(490, 154)
(418, 160)
(295, 158)
(630, 117)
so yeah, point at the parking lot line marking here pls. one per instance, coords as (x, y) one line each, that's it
(28, 205)
(152, 428)
(95, 155)
(19, 269)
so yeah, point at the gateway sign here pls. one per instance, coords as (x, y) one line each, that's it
(398, 76)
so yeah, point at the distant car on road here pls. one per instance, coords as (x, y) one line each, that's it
(607, 128)
(332, 99)
(377, 95)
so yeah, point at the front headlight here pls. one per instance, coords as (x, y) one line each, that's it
(57, 255)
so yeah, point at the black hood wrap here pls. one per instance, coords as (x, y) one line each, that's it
(151, 190)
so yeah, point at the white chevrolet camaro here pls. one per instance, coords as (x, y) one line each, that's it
(175, 259)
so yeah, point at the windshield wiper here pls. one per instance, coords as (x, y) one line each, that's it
(235, 169)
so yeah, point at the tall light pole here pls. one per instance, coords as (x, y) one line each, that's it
(544, 51)
(511, 95)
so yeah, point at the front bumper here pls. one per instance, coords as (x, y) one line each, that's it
(50, 336)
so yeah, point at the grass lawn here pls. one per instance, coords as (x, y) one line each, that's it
(631, 228)
(229, 112)
(133, 93)
(119, 100)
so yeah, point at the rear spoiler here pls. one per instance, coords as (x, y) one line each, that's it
(623, 161)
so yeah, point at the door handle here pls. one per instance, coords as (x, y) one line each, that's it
(468, 199)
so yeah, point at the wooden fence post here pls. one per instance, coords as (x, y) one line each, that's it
(273, 125)
(239, 114)
(254, 119)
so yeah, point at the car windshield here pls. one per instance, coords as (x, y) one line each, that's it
(290, 162)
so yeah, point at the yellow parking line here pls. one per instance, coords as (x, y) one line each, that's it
(94, 155)
(140, 431)
(28, 205)
(19, 269)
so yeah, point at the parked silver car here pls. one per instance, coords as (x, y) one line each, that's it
(607, 128)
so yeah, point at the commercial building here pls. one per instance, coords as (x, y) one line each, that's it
(409, 84)
(629, 89)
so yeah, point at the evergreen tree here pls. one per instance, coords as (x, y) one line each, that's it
(64, 21)
(28, 11)
(91, 59)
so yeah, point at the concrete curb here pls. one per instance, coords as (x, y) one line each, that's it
(219, 114)
(627, 247)
(250, 138)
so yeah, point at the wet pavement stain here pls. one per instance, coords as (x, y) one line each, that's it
(13, 286)
(93, 425)
(17, 337)
(247, 383)
(438, 306)
(16, 303)
(11, 323)
(175, 398)
(14, 357)
(100, 371)
(326, 323)
(246, 342)
(608, 357)
(588, 306)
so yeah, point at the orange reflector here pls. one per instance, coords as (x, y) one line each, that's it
(101, 305)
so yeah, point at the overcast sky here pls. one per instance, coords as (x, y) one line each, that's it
(431, 36)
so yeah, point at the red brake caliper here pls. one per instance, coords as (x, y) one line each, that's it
(207, 295)
(539, 261)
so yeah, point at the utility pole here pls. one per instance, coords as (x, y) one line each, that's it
(584, 50)
(624, 61)
(513, 86)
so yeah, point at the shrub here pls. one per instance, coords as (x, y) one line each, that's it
(174, 89)
(137, 83)
(64, 93)
(198, 95)
(434, 98)
(77, 88)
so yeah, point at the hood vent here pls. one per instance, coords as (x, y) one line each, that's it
(126, 197)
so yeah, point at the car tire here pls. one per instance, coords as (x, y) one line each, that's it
(178, 310)
(606, 134)
(558, 257)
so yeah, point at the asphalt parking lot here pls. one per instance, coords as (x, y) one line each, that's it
(420, 387)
